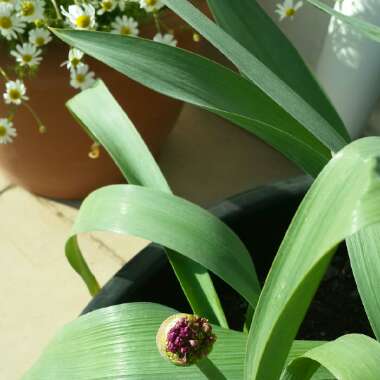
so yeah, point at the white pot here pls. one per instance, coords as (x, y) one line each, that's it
(349, 65)
(306, 31)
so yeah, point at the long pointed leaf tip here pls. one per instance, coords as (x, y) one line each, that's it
(184, 339)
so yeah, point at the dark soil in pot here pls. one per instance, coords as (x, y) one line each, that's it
(260, 218)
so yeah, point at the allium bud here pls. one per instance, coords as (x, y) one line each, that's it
(184, 339)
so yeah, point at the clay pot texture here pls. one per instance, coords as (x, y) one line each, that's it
(56, 164)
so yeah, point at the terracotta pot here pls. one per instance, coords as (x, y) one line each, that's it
(56, 164)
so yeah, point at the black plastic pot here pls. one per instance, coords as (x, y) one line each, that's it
(260, 217)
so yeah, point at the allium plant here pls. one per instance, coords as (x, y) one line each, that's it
(25, 35)
(274, 96)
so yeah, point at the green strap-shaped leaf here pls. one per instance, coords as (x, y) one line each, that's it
(363, 247)
(364, 251)
(351, 357)
(343, 200)
(248, 24)
(118, 343)
(103, 118)
(367, 29)
(186, 76)
(264, 39)
(79, 264)
(174, 223)
(98, 111)
(261, 76)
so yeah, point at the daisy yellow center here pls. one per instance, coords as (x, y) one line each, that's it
(14, 94)
(40, 41)
(27, 8)
(151, 2)
(80, 78)
(107, 5)
(290, 12)
(83, 21)
(5, 22)
(3, 131)
(125, 30)
(27, 58)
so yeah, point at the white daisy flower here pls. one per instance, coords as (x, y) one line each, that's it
(151, 5)
(31, 10)
(7, 132)
(288, 9)
(10, 24)
(106, 6)
(75, 58)
(39, 37)
(81, 78)
(15, 92)
(121, 4)
(80, 16)
(27, 54)
(126, 26)
(10, 2)
(167, 39)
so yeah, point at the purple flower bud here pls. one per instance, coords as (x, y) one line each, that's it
(184, 339)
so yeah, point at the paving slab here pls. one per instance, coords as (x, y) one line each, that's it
(40, 291)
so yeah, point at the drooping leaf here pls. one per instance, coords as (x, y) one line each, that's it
(261, 76)
(186, 76)
(343, 200)
(249, 24)
(351, 357)
(101, 115)
(176, 224)
(367, 29)
(103, 118)
(79, 264)
(118, 342)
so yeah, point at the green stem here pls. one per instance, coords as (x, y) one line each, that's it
(33, 113)
(55, 5)
(210, 370)
(4, 74)
(157, 22)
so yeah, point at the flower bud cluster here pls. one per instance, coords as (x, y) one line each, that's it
(184, 339)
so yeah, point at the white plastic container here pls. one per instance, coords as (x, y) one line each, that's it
(349, 65)
(306, 30)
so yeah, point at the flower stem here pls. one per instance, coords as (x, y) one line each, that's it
(55, 5)
(210, 370)
(4, 74)
(157, 21)
(163, 25)
(34, 114)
